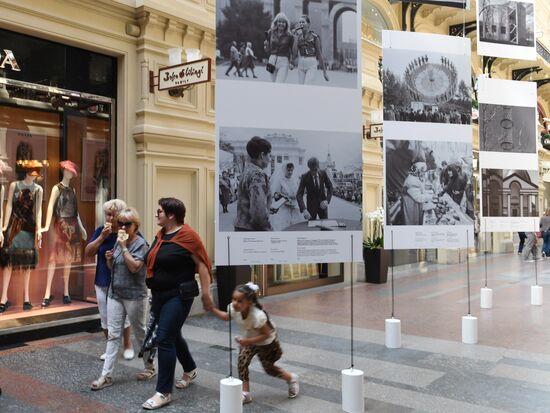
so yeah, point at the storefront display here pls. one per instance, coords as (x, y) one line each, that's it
(48, 209)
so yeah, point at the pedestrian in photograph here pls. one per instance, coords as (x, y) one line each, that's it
(545, 233)
(279, 46)
(254, 194)
(310, 53)
(225, 191)
(103, 239)
(127, 296)
(249, 58)
(416, 199)
(318, 187)
(258, 337)
(285, 186)
(176, 255)
(235, 58)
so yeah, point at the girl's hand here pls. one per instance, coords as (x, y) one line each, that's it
(243, 342)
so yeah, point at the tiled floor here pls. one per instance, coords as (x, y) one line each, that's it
(509, 370)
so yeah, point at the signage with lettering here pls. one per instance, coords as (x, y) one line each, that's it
(376, 131)
(185, 74)
(7, 58)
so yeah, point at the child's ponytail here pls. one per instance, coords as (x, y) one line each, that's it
(250, 290)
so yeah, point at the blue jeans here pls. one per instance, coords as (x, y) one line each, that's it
(546, 243)
(171, 312)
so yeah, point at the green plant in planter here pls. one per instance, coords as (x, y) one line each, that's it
(375, 230)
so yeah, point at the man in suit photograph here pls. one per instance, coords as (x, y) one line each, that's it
(318, 187)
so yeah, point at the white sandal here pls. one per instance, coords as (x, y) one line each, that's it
(186, 379)
(157, 401)
(101, 383)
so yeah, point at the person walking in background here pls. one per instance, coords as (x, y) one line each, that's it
(319, 192)
(279, 45)
(522, 238)
(258, 337)
(176, 255)
(249, 58)
(545, 232)
(310, 52)
(254, 195)
(127, 294)
(225, 191)
(530, 247)
(234, 57)
(103, 240)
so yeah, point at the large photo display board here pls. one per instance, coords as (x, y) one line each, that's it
(429, 193)
(508, 157)
(288, 129)
(506, 28)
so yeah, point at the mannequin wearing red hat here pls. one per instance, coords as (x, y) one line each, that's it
(68, 231)
(22, 231)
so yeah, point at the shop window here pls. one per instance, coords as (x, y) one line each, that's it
(41, 129)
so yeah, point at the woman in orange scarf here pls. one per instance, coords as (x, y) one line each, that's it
(176, 255)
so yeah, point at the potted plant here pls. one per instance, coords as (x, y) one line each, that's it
(376, 258)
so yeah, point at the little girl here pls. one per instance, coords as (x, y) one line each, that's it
(258, 337)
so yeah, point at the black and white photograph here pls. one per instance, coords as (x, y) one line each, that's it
(510, 193)
(309, 43)
(505, 128)
(506, 22)
(506, 28)
(289, 180)
(425, 86)
(461, 4)
(428, 183)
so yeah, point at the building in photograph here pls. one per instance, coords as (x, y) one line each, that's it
(509, 193)
(506, 22)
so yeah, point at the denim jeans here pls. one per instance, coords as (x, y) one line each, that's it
(546, 244)
(171, 312)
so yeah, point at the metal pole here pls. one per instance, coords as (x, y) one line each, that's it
(468, 268)
(485, 255)
(392, 287)
(351, 311)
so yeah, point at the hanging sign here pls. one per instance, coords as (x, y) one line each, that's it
(185, 74)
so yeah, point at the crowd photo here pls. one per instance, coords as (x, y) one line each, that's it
(287, 42)
(429, 183)
(426, 87)
(288, 180)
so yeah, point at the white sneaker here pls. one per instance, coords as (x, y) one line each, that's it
(293, 386)
(103, 357)
(129, 354)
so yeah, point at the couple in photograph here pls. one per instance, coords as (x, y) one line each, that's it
(284, 46)
(266, 204)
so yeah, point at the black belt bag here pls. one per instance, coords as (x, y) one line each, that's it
(189, 290)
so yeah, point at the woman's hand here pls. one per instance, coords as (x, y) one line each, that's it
(109, 255)
(325, 75)
(107, 230)
(207, 303)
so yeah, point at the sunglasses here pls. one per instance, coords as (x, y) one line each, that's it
(124, 224)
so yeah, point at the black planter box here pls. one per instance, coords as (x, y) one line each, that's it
(377, 262)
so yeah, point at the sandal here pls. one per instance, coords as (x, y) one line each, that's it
(247, 398)
(157, 401)
(186, 379)
(293, 386)
(146, 374)
(47, 301)
(101, 383)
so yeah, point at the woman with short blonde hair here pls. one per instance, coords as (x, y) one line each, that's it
(103, 240)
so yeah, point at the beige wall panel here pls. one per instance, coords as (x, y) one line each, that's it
(211, 200)
(178, 182)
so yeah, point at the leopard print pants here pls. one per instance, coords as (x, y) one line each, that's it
(267, 354)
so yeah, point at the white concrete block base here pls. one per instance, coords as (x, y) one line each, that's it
(353, 391)
(393, 333)
(469, 329)
(536, 295)
(486, 298)
(231, 395)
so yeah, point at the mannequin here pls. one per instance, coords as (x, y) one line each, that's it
(67, 230)
(22, 235)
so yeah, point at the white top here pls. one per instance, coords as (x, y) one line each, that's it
(252, 324)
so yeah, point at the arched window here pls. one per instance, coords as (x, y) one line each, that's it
(515, 205)
(495, 199)
(375, 22)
